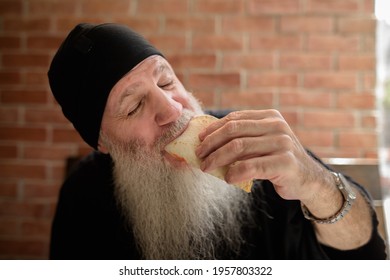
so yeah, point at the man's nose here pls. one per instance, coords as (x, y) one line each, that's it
(168, 109)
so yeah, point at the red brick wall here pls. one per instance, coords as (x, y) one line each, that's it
(314, 60)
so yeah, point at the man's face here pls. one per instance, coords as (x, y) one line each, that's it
(144, 103)
(174, 213)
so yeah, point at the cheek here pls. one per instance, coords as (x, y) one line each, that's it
(146, 135)
(125, 132)
(184, 98)
(142, 131)
(192, 104)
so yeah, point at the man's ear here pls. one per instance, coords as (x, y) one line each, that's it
(101, 147)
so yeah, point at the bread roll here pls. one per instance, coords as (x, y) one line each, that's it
(183, 148)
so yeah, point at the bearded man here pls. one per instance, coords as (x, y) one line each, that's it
(130, 200)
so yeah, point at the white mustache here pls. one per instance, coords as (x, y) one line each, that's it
(174, 130)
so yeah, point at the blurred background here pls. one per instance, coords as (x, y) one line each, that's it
(314, 60)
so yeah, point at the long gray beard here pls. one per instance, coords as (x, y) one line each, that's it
(176, 214)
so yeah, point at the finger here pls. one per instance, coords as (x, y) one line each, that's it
(250, 169)
(245, 148)
(229, 131)
(241, 128)
(270, 167)
(238, 115)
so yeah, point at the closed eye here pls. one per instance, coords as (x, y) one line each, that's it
(135, 109)
(167, 85)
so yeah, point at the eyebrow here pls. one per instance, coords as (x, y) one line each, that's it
(128, 92)
(161, 67)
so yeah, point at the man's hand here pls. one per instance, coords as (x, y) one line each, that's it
(262, 146)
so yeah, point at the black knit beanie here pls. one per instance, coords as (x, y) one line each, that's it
(91, 60)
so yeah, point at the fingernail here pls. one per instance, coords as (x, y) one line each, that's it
(200, 152)
(202, 135)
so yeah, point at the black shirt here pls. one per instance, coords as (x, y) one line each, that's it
(89, 225)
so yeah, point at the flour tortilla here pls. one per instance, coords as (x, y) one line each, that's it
(183, 148)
